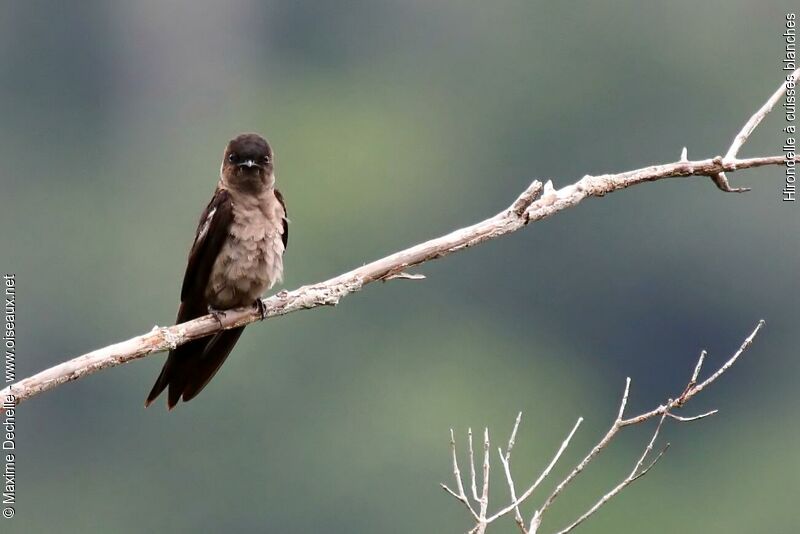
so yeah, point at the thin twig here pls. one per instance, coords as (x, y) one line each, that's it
(690, 392)
(474, 482)
(542, 476)
(602, 444)
(692, 418)
(662, 412)
(634, 475)
(457, 475)
(485, 492)
(727, 365)
(744, 134)
(505, 459)
(697, 367)
(512, 491)
(750, 126)
(513, 437)
(404, 276)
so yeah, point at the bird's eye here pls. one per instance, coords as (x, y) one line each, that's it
(265, 159)
(231, 157)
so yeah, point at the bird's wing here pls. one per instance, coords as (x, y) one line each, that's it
(212, 230)
(285, 235)
(206, 365)
(183, 364)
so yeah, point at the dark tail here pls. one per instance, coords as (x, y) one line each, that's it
(190, 367)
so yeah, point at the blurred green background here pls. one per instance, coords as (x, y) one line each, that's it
(394, 122)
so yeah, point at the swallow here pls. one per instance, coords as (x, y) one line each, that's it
(236, 256)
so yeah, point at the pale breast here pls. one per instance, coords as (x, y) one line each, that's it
(251, 260)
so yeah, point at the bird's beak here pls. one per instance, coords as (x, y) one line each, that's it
(249, 164)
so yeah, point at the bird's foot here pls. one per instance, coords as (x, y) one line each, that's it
(282, 294)
(261, 307)
(219, 315)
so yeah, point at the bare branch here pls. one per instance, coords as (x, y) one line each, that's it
(744, 134)
(624, 398)
(461, 496)
(662, 412)
(750, 126)
(727, 365)
(528, 207)
(505, 459)
(721, 181)
(692, 418)
(485, 492)
(512, 491)
(602, 444)
(328, 293)
(697, 368)
(513, 437)
(692, 390)
(608, 496)
(542, 476)
(635, 474)
(472, 468)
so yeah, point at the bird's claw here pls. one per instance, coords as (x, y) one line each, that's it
(261, 307)
(218, 315)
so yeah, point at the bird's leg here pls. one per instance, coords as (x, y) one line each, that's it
(219, 315)
(261, 307)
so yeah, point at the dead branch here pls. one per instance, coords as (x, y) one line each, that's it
(662, 412)
(535, 203)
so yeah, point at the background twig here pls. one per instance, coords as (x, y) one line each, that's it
(640, 468)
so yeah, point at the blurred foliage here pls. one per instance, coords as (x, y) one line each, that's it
(394, 122)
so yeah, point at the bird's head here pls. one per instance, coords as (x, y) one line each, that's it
(247, 163)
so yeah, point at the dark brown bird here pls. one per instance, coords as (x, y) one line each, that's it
(237, 254)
